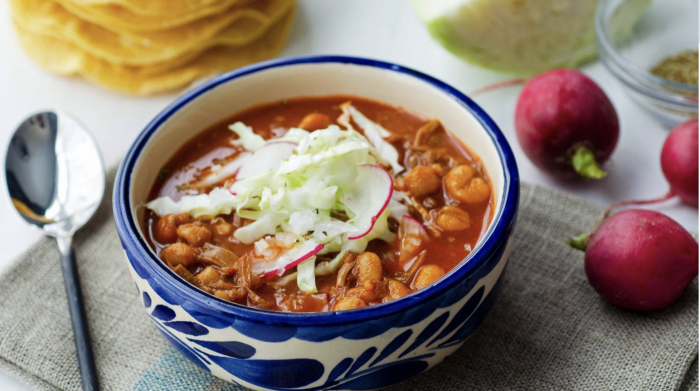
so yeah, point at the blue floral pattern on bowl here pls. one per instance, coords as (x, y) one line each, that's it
(400, 346)
(361, 349)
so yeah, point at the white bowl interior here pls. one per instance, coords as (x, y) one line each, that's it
(303, 80)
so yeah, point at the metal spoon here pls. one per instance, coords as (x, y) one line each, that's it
(56, 180)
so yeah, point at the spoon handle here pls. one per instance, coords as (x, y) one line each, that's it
(86, 361)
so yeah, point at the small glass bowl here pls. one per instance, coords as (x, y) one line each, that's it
(666, 28)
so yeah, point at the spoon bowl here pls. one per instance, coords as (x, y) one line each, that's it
(55, 175)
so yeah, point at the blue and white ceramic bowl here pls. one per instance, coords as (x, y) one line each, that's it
(362, 349)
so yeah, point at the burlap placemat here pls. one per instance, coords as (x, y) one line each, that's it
(548, 329)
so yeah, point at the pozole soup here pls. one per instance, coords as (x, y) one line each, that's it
(318, 204)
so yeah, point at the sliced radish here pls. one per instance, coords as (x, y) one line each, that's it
(287, 260)
(412, 236)
(266, 159)
(228, 170)
(368, 198)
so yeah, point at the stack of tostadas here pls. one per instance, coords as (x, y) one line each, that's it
(146, 47)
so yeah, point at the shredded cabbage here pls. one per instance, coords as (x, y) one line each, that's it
(302, 201)
(266, 224)
(294, 135)
(379, 231)
(246, 138)
(218, 201)
(375, 133)
(306, 279)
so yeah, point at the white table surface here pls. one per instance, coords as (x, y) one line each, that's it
(386, 30)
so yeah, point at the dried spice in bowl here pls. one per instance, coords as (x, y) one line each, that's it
(681, 68)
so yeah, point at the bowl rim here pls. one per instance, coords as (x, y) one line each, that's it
(651, 85)
(504, 218)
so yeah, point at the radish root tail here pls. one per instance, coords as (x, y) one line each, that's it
(612, 207)
(498, 86)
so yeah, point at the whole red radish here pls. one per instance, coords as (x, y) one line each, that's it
(566, 124)
(641, 260)
(679, 161)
